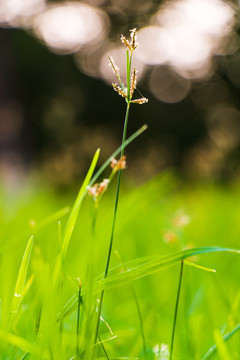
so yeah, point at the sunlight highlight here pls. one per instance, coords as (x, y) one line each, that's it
(16, 12)
(65, 28)
(186, 34)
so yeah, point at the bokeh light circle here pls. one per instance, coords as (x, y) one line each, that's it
(167, 86)
(66, 27)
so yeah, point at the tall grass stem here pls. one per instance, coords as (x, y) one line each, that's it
(176, 309)
(114, 219)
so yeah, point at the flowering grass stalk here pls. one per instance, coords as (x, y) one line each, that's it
(127, 94)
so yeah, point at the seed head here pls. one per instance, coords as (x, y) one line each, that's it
(98, 189)
(126, 42)
(119, 90)
(114, 67)
(133, 82)
(131, 45)
(143, 100)
(170, 237)
(133, 34)
(118, 164)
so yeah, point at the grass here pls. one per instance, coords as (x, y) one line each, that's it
(208, 302)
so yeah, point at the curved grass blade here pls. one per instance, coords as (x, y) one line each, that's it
(52, 218)
(39, 225)
(75, 210)
(142, 267)
(90, 181)
(19, 288)
(200, 267)
(138, 268)
(225, 337)
(21, 343)
(221, 346)
(116, 152)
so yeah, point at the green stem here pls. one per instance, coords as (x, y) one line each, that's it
(138, 310)
(227, 336)
(176, 309)
(78, 321)
(140, 321)
(114, 218)
(117, 194)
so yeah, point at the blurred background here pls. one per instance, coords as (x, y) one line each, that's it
(57, 104)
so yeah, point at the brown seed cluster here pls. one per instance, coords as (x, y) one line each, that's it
(98, 189)
(131, 45)
(122, 91)
(119, 164)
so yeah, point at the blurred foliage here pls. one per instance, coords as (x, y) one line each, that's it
(196, 215)
(53, 115)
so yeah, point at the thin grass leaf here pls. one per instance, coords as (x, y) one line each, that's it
(53, 217)
(21, 343)
(28, 285)
(120, 358)
(221, 346)
(105, 340)
(116, 152)
(39, 225)
(142, 267)
(200, 267)
(139, 268)
(19, 288)
(75, 210)
(225, 337)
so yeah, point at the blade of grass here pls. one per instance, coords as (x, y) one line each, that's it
(75, 210)
(139, 312)
(115, 153)
(19, 288)
(114, 217)
(142, 267)
(34, 228)
(226, 337)
(61, 285)
(21, 343)
(138, 268)
(78, 321)
(200, 267)
(176, 309)
(52, 218)
(221, 346)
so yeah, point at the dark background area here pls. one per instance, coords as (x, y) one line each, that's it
(53, 116)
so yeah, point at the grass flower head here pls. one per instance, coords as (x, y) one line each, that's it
(127, 92)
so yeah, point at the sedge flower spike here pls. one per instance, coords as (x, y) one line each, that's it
(120, 164)
(127, 92)
(98, 189)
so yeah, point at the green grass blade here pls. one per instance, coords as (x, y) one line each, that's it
(227, 336)
(18, 292)
(75, 210)
(116, 152)
(200, 267)
(52, 218)
(221, 346)
(21, 343)
(35, 227)
(142, 267)
(138, 268)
